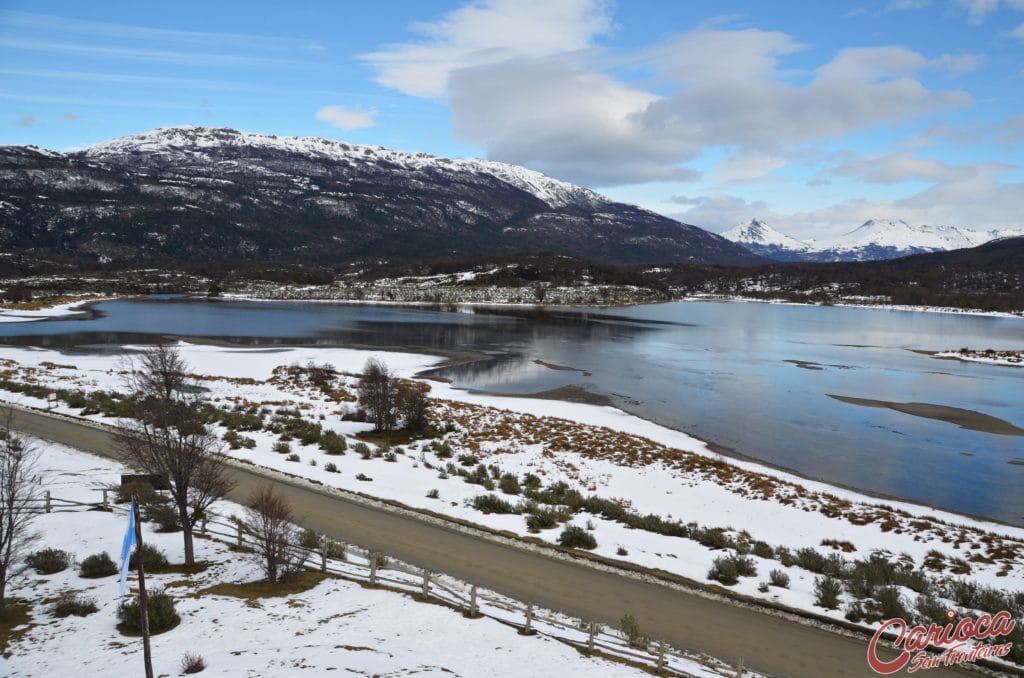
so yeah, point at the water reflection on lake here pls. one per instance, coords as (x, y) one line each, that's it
(753, 377)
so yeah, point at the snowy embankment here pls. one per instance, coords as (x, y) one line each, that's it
(67, 308)
(336, 625)
(645, 469)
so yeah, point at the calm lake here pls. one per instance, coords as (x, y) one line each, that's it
(755, 378)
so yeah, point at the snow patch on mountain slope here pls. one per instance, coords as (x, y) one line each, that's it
(195, 142)
(757, 232)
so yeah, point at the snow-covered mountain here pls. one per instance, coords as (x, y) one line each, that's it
(201, 194)
(760, 238)
(874, 239)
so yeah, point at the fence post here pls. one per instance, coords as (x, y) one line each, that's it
(473, 610)
(323, 554)
(426, 583)
(739, 669)
(104, 498)
(202, 527)
(239, 526)
(373, 568)
(661, 657)
(528, 628)
(49, 502)
(591, 636)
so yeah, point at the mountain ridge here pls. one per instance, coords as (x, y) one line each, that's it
(875, 239)
(196, 193)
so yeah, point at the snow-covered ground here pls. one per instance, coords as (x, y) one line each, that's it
(336, 626)
(599, 450)
(15, 315)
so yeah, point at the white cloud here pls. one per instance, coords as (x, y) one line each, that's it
(907, 5)
(544, 95)
(977, 10)
(345, 118)
(958, 64)
(1018, 32)
(485, 33)
(719, 213)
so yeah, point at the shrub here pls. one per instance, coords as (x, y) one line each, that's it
(763, 587)
(826, 592)
(292, 457)
(930, 611)
(331, 467)
(779, 578)
(362, 449)
(468, 460)
(163, 514)
(621, 552)
(70, 603)
(442, 450)
(332, 443)
(160, 609)
(364, 477)
(49, 561)
(490, 503)
(390, 456)
(192, 663)
(888, 603)
(97, 565)
(541, 519)
(433, 494)
(152, 558)
(631, 632)
(531, 481)
(509, 484)
(723, 570)
(574, 536)
(282, 447)
(728, 569)
(763, 550)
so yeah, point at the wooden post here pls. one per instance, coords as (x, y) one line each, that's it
(104, 498)
(528, 628)
(143, 600)
(323, 554)
(202, 526)
(373, 568)
(49, 502)
(661, 657)
(473, 610)
(239, 526)
(739, 669)
(590, 637)
(426, 583)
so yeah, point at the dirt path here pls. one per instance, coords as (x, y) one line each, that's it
(764, 642)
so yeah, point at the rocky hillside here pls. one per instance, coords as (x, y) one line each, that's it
(199, 194)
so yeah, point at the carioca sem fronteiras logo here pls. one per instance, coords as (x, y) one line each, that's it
(952, 639)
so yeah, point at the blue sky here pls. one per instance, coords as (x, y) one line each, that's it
(812, 115)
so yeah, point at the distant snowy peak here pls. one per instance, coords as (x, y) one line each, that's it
(874, 239)
(201, 143)
(757, 232)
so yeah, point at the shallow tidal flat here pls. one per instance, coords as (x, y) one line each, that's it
(968, 419)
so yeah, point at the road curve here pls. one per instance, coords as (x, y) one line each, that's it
(764, 642)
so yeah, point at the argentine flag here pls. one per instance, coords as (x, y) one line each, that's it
(126, 546)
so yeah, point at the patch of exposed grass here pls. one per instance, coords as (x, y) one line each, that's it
(253, 590)
(15, 614)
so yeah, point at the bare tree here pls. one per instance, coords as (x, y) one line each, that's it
(168, 437)
(280, 547)
(19, 496)
(378, 395)
(413, 405)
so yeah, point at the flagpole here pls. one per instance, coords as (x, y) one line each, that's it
(143, 609)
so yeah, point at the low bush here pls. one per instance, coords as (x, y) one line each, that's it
(282, 447)
(826, 592)
(332, 443)
(97, 565)
(152, 558)
(163, 514)
(365, 478)
(541, 519)
(433, 494)
(49, 561)
(160, 611)
(70, 603)
(728, 569)
(779, 578)
(192, 663)
(490, 503)
(631, 632)
(331, 467)
(509, 484)
(293, 457)
(574, 536)
(362, 449)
